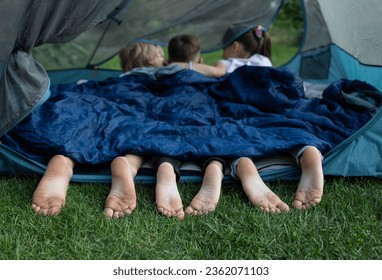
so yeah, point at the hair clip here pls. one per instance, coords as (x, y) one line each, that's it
(259, 31)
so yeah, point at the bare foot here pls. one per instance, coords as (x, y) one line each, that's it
(49, 196)
(256, 190)
(168, 200)
(122, 198)
(311, 186)
(207, 198)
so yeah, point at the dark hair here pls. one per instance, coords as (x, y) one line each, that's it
(183, 48)
(254, 39)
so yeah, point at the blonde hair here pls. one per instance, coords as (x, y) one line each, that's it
(137, 54)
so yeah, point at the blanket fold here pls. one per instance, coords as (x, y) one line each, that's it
(254, 111)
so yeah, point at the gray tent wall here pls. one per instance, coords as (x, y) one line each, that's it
(28, 24)
(156, 21)
(342, 39)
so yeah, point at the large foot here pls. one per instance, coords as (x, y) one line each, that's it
(168, 200)
(256, 190)
(208, 196)
(311, 186)
(122, 198)
(50, 194)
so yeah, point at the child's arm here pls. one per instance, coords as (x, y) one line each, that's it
(211, 71)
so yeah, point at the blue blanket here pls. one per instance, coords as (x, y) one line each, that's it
(255, 111)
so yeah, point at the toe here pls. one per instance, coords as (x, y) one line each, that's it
(55, 210)
(297, 204)
(108, 212)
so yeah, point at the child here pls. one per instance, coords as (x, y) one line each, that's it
(186, 48)
(254, 48)
(251, 48)
(244, 46)
(167, 199)
(141, 54)
(50, 194)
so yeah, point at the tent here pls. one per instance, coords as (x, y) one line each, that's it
(43, 44)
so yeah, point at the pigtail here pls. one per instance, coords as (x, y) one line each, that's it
(254, 41)
(266, 46)
(263, 39)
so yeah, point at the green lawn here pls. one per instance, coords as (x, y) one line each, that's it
(346, 225)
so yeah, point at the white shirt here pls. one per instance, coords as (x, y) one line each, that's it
(255, 60)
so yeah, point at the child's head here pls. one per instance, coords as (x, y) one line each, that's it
(140, 54)
(184, 48)
(252, 41)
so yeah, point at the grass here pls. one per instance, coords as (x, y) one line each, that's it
(346, 225)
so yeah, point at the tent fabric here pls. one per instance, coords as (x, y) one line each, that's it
(341, 40)
(361, 152)
(24, 81)
(331, 47)
(364, 33)
(157, 21)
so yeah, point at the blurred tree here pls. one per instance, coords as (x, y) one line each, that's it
(288, 26)
(291, 14)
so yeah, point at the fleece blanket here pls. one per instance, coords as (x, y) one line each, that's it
(254, 112)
